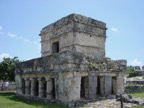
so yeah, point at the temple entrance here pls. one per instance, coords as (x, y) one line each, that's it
(36, 87)
(43, 87)
(98, 86)
(53, 88)
(113, 85)
(84, 87)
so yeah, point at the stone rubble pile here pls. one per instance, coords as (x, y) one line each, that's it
(109, 103)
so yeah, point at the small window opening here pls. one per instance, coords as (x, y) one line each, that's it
(55, 47)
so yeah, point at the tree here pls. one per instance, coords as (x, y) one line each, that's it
(7, 68)
(130, 71)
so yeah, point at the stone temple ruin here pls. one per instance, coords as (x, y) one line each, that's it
(73, 65)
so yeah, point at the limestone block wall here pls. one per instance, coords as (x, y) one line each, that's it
(68, 86)
(75, 33)
(120, 83)
(69, 76)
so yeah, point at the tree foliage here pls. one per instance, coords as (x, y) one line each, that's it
(130, 70)
(7, 68)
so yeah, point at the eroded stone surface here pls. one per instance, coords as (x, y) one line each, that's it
(73, 65)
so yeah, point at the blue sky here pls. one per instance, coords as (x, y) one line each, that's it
(22, 20)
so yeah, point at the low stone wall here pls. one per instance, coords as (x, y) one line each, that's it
(134, 86)
(141, 82)
(10, 86)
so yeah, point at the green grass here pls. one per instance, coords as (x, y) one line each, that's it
(138, 107)
(138, 94)
(9, 100)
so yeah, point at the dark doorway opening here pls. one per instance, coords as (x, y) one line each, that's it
(29, 86)
(55, 47)
(36, 88)
(84, 87)
(113, 85)
(98, 86)
(53, 88)
(43, 87)
(23, 86)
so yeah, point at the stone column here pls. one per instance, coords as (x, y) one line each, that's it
(120, 83)
(40, 87)
(49, 88)
(18, 81)
(92, 85)
(32, 86)
(27, 86)
(108, 85)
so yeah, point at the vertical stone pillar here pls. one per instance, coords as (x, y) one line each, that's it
(74, 86)
(18, 80)
(108, 85)
(27, 86)
(49, 88)
(92, 85)
(32, 86)
(40, 87)
(120, 83)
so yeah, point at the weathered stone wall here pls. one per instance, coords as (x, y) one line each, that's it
(75, 33)
(68, 61)
(73, 65)
(135, 82)
(68, 86)
(134, 86)
(120, 83)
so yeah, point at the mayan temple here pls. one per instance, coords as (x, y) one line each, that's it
(73, 65)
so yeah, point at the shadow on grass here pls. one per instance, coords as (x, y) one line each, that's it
(13, 97)
(4, 93)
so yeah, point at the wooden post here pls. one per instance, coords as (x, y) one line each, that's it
(121, 100)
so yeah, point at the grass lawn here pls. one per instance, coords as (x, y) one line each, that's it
(139, 94)
(9, 100)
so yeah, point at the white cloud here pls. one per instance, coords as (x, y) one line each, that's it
(21, 38)
(114, 29)
(12, 35)
(136, 62)
(4, 55)
(1, 30)
(1, 27)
